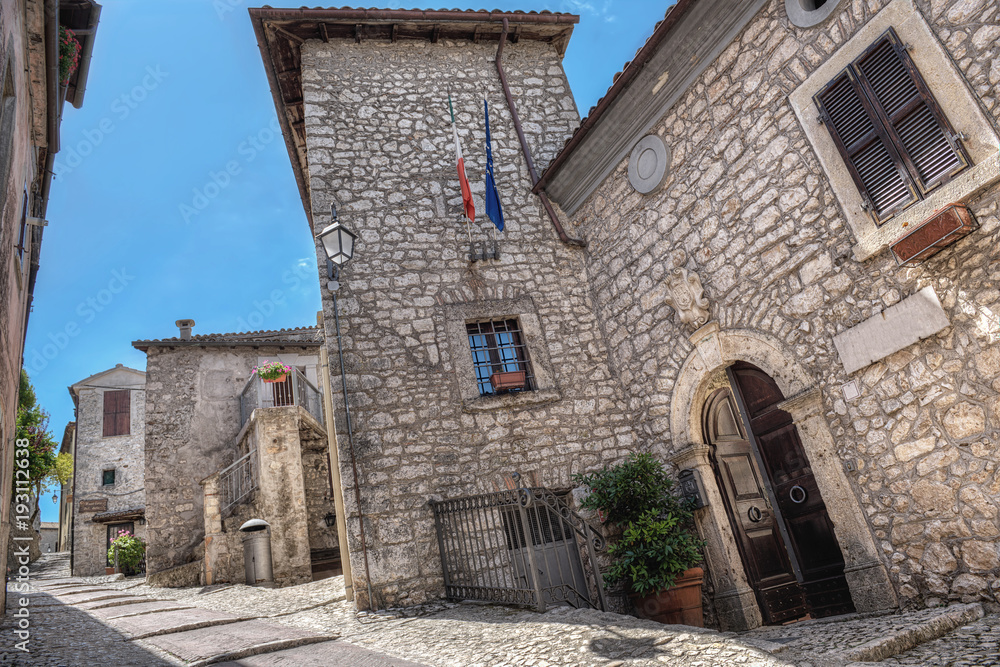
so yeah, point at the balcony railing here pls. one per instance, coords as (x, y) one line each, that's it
(295, 390)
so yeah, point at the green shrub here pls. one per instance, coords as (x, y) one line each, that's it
(130, 550)
(658, 540)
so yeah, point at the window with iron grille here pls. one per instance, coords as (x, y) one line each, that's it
(889, 129)
(499, 357)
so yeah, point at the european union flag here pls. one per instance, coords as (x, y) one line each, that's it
(493, 209)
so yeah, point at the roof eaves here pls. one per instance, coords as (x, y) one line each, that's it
(619, 83)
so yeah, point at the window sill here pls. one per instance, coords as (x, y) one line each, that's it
(957, 191)
(507, 401)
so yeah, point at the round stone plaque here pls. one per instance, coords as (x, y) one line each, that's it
(648, 164)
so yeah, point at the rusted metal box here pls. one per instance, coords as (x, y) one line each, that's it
(932, 235)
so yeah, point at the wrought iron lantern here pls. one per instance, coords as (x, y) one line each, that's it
(338, 240)
(330, 519)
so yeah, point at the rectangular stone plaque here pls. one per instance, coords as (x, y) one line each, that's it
(914, 318)
(100, 505)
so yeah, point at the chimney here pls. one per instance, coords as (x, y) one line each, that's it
(185, 327)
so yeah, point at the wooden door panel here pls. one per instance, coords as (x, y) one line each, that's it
(799, 502)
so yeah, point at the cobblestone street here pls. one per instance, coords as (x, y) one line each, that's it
(82, 622)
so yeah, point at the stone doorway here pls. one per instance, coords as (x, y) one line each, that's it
(784, 535)
(703, 373)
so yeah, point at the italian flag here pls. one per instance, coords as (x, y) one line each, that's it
(470, 209)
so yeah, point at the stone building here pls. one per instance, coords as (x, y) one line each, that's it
(733, 304)
(67, 446)
(108, 486)
(31, 107)
(49, 532)
(223, 447)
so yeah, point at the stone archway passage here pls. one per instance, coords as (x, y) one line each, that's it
(787, 543)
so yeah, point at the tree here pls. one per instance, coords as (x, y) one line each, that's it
(45, 468)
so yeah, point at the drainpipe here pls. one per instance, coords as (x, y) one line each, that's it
(338, 488)
(524, 144)
(85, 56)
(354, 465)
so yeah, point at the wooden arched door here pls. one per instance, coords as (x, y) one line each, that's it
(789, 550)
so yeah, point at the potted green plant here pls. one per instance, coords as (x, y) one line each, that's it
(126, 552)
(656, 556)
(272, 371)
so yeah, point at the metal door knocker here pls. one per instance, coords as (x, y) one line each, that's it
(754, 514)
(792, 496)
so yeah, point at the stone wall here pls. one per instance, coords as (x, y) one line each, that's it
(21, 25)
(749, 208)
(193, 417)
(379, 141)
(95, 454)
(318, 489)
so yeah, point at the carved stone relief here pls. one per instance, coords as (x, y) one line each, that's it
(687, 296)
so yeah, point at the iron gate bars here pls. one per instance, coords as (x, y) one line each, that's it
(522, 547)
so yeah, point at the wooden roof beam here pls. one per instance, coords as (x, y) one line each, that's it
(323, 34)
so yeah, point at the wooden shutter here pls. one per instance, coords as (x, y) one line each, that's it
(890, 131)
(874, 163)
(915, 122)
(116, 413)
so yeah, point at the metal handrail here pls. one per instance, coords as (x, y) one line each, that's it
(238, 481)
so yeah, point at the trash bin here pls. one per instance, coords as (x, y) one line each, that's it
(257, 552)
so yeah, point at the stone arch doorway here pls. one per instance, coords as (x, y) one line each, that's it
(784, 535)
(702, 373)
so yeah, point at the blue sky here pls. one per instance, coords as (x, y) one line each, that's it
(174, 197)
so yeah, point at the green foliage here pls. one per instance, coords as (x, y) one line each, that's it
(658, 540)
(62, 471)
(130, 550)
(33, 428)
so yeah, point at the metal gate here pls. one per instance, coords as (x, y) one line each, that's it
(493, 545)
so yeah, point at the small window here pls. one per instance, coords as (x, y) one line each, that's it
(499, 357)
(108, 477)
(116, 413)
(889, 129)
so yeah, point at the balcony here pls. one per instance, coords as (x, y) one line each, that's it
(295, 390)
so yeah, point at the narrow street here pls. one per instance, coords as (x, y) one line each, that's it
(99, 621)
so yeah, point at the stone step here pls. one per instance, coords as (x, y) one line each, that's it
(171, 621)
(141, 608)
(327, 654)
(233, 642)
(949, 619)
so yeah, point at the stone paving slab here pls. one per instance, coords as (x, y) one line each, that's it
(232, 641)
(327, 654)
(142, 607)
(163, 622)
(100, 604)
(92, 597)
(69, 592)
(976, 644)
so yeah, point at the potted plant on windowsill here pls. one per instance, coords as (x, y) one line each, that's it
(272, 371)
(656, 556)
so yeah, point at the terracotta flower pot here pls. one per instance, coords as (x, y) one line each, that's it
(678, 604)
(280, 378)
(508, 380)
(110, 570)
